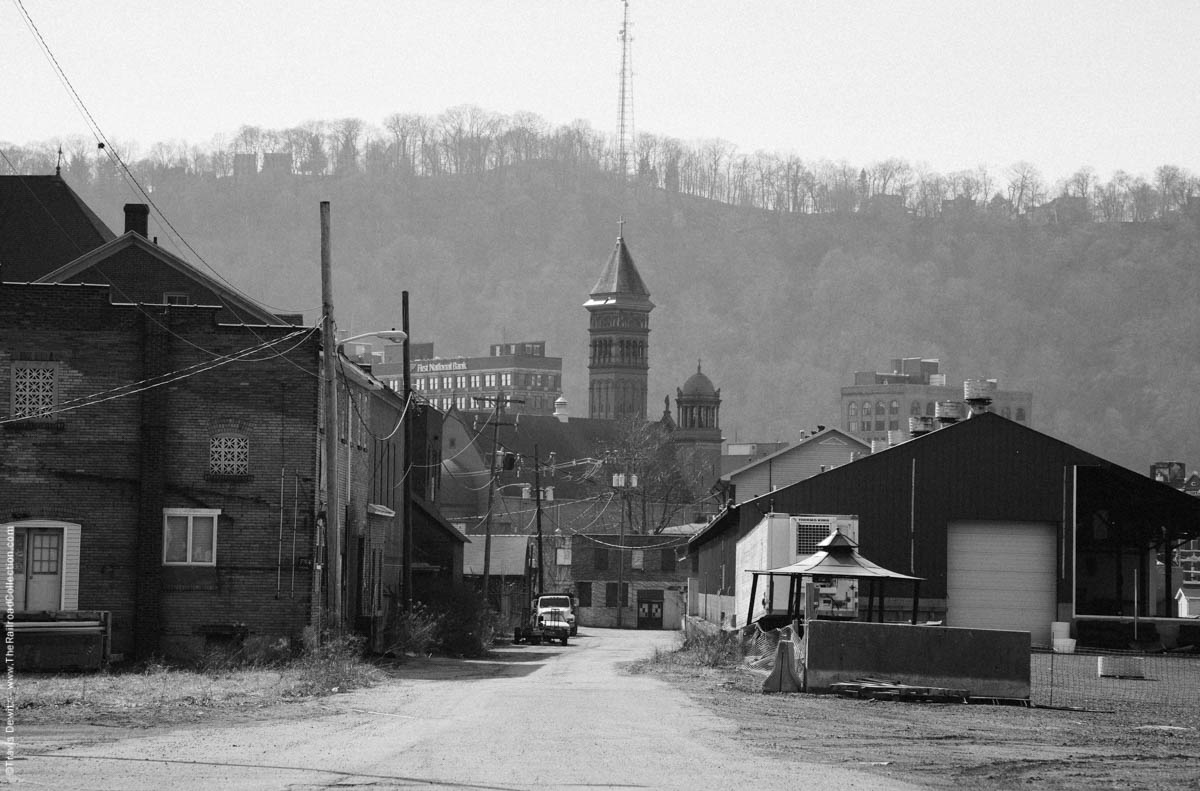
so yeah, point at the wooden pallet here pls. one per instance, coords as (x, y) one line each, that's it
(883, 689)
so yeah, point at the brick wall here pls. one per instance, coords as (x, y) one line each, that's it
(114, 465)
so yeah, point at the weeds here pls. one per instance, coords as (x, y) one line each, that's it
(723, 649)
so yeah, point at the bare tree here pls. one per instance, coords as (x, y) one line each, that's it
(1025, 188)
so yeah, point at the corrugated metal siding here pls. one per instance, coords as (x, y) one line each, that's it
(984, 468)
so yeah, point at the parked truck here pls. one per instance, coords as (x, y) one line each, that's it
(545, 619)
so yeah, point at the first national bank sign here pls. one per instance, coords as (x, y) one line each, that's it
(438, 366)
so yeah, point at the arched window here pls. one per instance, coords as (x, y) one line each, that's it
(852, 410)
(915, 408)
(866, 410)
(929, 411)
(894, 409)
(880, 408)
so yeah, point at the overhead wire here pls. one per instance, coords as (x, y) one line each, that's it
(149, 384)
(106, 146)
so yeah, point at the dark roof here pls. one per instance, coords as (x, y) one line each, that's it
(576, 439)
(698, 385)
(620, 276)
(242, 306)
(434, 518)
(44, 225)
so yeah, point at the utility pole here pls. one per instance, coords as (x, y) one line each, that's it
(333, 535)
(487, 525)
(406, 553)
(537, 488)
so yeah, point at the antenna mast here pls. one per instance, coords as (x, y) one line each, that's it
(625, 137)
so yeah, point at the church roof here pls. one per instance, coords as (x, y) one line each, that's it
(698, 385)
(620, 275)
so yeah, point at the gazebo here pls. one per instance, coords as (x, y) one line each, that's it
(836, 556)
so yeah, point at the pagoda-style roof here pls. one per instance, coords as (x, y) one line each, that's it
(837, 556)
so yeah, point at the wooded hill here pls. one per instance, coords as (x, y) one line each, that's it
(1098, 319)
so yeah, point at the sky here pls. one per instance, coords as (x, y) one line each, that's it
(944, 85)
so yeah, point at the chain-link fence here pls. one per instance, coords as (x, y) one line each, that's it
(1106, 679)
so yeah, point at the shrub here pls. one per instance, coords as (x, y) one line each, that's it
(467, 624)
(415, 632)
(336, 665)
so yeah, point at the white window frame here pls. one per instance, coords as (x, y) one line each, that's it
(190, 513)
(176, 298)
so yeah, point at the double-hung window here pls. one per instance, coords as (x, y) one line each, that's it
(190, 536)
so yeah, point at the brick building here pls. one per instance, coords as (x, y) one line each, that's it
(161, 451)
(159, 466)
(629, 581)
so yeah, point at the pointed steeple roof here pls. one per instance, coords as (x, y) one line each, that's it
(620, 275)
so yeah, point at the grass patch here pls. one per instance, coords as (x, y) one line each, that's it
(155, 693)
(699, 651)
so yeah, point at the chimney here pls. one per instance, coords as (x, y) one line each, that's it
(560, 409)
(137, 219)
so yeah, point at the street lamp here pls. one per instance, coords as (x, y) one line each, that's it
(333, 527)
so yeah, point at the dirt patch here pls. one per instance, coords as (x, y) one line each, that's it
(955, 745)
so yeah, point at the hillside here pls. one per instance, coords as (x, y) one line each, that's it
(1099, 320)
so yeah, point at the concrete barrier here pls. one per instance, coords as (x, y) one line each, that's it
(989, 663)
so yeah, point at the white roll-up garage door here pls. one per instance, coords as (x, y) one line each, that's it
(1001, 575)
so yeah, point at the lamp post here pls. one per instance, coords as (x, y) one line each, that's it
(333, 508)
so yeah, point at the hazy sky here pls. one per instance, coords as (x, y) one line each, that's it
(951, 85)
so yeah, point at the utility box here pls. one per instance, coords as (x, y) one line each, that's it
(780, 540)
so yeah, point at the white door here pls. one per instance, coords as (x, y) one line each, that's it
(38, 567)
(1002, 575)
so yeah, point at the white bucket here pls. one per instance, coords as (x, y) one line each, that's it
(1060, 630)
(1064, 645)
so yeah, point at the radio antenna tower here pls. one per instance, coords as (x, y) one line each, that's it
(625, 137)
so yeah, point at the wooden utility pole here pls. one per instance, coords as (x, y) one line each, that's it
(487, 525)
(537, 489)
(333, 533)
(406, 457)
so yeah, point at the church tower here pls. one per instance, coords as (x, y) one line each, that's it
(698, 426)
(619, 331)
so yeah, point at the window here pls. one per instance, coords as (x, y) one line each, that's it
(866, 410)
(1021, 413)
(176, 298)
(601, 562)
(668, 559)
(1004, 412)
(189, 537)
(852, 410)
(637, 559)
(584, 589)
(229, 454)
(610, 594)
(475, 381)
(562, 557)
(929, 410)
(34, 388)
(852, 426)
(894, 408)
(489, 380)
(506, 380)
(915, 408)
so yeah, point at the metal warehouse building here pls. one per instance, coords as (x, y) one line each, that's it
(1009, 528)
